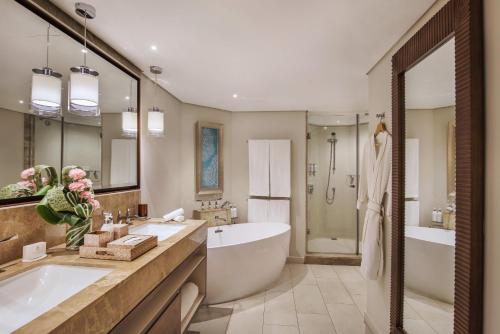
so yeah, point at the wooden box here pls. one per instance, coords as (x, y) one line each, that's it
(127, 248)
(214, 217)
(97, 238)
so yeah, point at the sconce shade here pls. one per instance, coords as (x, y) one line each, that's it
(156, 125)
(45, 94)
(129, 123)
(84, 94)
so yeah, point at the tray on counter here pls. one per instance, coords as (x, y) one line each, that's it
(126, 248)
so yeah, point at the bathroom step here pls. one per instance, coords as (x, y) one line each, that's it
(333, 259)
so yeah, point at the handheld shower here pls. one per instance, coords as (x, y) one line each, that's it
(330, 196)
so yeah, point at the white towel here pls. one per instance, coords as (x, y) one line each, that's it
(189, 292)
(179, 219)
(172, 215)
(258, 168)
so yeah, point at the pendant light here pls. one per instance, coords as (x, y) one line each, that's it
(129, 118)
(46, 88)
(156, 126)
(83, 87)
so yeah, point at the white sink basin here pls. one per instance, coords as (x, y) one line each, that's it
(163, 231)
(28, 295)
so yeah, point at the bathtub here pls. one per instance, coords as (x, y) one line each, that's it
(244, 259)
(430, 262)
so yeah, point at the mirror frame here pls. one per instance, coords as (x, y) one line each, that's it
(72, 28)
(462, 19)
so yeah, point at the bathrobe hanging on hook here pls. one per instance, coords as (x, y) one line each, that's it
(374, 183)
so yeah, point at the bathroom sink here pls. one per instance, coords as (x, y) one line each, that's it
(28, 295)
(163, 231)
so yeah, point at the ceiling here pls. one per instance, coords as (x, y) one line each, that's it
(431, 83)
(23, 40)
(274, 54)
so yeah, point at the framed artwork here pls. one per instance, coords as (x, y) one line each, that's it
(209, 160)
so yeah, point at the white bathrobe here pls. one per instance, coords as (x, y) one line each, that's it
(374, 183)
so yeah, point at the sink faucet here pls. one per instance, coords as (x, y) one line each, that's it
(128, 217)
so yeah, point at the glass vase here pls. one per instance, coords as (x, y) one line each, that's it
(75, 233)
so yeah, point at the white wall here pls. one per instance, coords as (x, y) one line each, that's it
(380, 101)
(12, 132)
(272, 125)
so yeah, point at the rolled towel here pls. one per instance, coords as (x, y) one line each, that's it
(189, 292)
(179, 219)
(173, 214)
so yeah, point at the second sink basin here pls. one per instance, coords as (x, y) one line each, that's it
(29, 294)
(163, 231)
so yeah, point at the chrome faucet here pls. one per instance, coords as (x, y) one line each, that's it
(128, 217)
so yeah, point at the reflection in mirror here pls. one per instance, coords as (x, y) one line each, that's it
(36, 127)
(430, 193)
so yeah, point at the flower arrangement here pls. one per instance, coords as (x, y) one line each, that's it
(32, 183)
(73, 203)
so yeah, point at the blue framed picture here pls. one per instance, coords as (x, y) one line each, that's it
(209, 159)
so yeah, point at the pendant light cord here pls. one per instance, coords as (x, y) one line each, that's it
(48, 44)
(85, 40)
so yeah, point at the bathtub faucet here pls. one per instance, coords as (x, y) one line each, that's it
(218, 229)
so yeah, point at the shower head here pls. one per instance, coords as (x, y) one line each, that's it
(333, 138)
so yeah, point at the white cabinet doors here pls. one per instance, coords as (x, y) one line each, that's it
(269, 168)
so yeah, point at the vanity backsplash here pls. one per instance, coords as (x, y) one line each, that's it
(27, 227)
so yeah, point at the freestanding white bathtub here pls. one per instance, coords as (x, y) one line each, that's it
(430, 262)
(244, 259)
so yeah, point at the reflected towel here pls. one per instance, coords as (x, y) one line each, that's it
(189, 292)
(173, 214)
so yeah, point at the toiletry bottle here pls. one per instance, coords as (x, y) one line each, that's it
(439, 216)
(434, 215)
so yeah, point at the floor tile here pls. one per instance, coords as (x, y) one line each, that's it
(348, 273)
(211, 320)
(315, 324)
(308, 299)
(346, 319)
(356, 287)
(280, 309)
(334, 291)
(301, 274)
(247, 321)
(417, 327)
(277, 329)
(360, 302)
(323, 271)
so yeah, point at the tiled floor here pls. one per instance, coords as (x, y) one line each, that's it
(423, 315)
(307, 299)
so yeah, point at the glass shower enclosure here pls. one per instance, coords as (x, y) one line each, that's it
(334, 146)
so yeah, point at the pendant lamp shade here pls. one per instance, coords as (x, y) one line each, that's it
(129, 122)
(84, 94)
(45, 94)
(156, 126)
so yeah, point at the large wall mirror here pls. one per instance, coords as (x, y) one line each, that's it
(103, 141)
(438, 168)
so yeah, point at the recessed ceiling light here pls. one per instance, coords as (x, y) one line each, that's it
(235, 96)
(325, 128)
(85, 51)
(338, 122)
(21, 101)
(154, 47)
(127, 97)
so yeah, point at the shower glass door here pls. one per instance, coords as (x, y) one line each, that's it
(334, 144)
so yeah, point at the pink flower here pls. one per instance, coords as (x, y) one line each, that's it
(76, 174)
(87, 195)
(27, 173)
(86, 182)
(76, 186)
(26, 184)
(95, 203)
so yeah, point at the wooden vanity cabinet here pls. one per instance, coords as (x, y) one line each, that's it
(160, 311)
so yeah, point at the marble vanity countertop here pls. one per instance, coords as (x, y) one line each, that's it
(100, 306)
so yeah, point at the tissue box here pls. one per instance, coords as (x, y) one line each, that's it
(120, 230)
(97, 238)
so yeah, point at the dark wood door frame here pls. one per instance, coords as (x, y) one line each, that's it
(462, 19)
